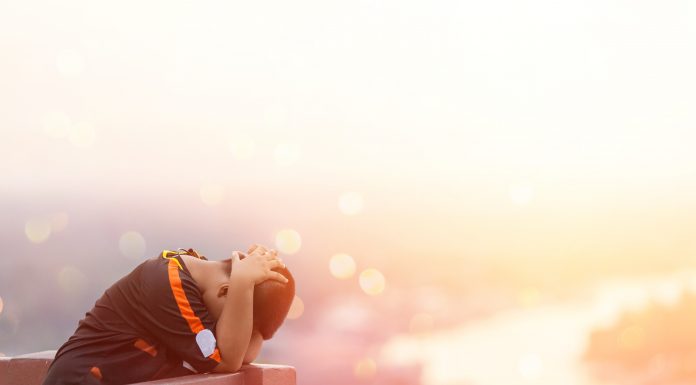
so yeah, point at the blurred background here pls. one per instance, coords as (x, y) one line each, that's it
(490, 192)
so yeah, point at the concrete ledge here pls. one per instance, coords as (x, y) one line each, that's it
(30, 369)
(27, 369)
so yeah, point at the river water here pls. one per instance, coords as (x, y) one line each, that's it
(535, 345)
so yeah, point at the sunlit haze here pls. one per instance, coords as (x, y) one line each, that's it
(442, 178)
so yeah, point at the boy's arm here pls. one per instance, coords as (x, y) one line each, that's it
(234, 326)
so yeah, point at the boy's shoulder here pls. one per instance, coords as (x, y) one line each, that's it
(168, 269)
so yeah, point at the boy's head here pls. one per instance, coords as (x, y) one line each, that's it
(272, 299)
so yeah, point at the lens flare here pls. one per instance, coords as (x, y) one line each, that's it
(372, 281)
(212, 194)
(296, 309)
(288, 241)
(132, 245)
(350, 203)
(37, 230)
(342, 266)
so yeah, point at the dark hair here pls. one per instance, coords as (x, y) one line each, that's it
(272, 300)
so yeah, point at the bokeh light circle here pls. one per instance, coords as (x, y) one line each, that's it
(296, 308)
(2, 304)
(372, 281)
(288, 241)
(342, 266)
(37, 230)
(71, 280)
(350, 203)
(132, 245)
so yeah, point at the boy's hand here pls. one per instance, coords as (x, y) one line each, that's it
(261, 248)
(256, 266)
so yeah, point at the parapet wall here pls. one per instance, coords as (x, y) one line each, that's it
(30, 369)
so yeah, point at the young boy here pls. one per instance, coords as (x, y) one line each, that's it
(178, 314)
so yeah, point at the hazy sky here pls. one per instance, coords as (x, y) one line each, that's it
(508, 129)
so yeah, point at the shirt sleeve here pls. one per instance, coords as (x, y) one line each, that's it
(180, 320)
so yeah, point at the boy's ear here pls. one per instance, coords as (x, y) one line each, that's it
(222, 290)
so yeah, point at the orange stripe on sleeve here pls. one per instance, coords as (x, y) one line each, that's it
(180, 296)
(216, 355)
(96, 372)
(146, 347)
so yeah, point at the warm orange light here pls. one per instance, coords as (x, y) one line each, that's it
(631, 338)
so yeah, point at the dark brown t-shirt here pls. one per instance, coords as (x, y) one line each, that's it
(149, 325)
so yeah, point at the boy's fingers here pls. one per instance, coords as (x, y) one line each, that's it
(278, 277)
(277, 263)
(258, 249)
